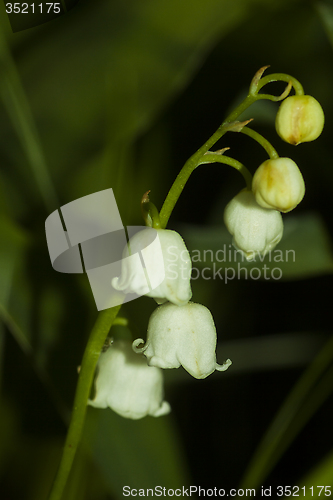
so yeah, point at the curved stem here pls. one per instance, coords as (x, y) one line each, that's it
(281, 77)
(218, 158)
(195, 160)
(250, 99)
(272, 153)
(93, 349)
(257, 83)
(175, 191)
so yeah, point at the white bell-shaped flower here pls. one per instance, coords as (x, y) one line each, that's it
(169, 269)
(127, 385)
(278, 184)
(182, 336)
(256, 230)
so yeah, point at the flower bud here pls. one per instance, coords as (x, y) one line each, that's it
(256, 230)
(173, 271)
(127, 385)
(300, 119)
(278, 184)
(182, 336)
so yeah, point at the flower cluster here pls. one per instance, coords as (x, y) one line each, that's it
(253, 216)
(180, 332)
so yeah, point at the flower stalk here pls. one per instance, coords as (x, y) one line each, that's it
(229, 124)
(216, 157)
(256, 228)
(272, 153)
(91, 354)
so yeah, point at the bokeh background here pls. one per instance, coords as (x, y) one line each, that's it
(119, 94)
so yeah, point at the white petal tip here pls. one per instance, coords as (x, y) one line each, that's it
(114, 283)
(135, 345)
(164, 409)
(224, 367)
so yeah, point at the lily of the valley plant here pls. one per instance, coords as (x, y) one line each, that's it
(128, 378)
(180, 332)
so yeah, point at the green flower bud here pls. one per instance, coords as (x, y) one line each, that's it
(278, 184)
(300, 119)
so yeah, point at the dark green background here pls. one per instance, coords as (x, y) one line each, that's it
(120, 94)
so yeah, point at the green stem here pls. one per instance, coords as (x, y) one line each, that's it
(281, 77)
(93, 349)
(250, 99)
(218, 158)
(175, 191)
(257, 83)
(195, 160)
(272, 153)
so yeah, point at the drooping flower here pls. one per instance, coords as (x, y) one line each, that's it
(300, 119)
(256, 230)
(182, 336)
(170, 269)
(278, 184)
(127, 385)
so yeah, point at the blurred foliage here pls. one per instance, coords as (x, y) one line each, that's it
(119, 94)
